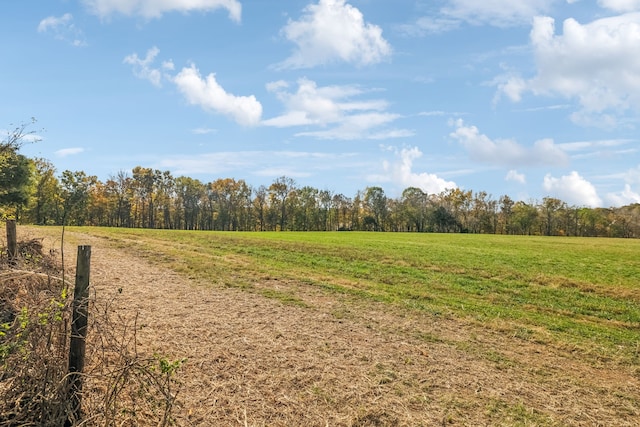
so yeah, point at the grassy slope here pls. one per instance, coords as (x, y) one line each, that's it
(580, 294)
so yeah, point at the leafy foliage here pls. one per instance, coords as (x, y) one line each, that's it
(15, 178)
(122, 387)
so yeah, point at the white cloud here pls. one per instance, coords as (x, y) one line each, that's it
(499, 13)
(360, 126)
(573, 189)
(156, 8)
(429, 25)
(601, 149)
(506, 152)
(331, 31)
(336, 109)
(624, 197)
(633, 176)
(63, 28)
(514, 175)
(203, 131)
(142, 68)
(315, 105)
(597, 64)
(260, 163)
(620, 5)
(203, 92)
(628, 195)
(437, 113)
(209, 95)
(400, 172)
(512, 86)
(69, 151)
(591, 145)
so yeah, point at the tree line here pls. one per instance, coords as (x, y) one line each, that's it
(150, 198)
(32, 191)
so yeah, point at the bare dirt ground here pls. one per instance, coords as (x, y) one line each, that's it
(254, 361)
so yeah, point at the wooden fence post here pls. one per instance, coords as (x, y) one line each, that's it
(79, 332)
(12, 241)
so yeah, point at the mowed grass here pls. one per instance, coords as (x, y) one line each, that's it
(574, 293)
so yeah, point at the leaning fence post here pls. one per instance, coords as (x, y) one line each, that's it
(79, 332)
(12, 241)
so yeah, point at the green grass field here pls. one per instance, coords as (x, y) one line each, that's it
(575, 293)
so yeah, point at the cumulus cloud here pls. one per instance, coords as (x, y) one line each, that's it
(339, 110)
(400, 172)
(624, 197)
(155, 9)
(209, 95)
(506, 152)
(512, 86)
(333, 31)
(143, 68)
(63, 28)
(204, 92)
(596, 64)
(514, 175)
(628, 195)
(573, 189)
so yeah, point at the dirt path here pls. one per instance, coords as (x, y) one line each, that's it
(254, 361)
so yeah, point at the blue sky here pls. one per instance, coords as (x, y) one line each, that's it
(528, 98)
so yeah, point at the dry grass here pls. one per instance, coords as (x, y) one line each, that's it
(121, 386)
(327, 359)
(32, 339)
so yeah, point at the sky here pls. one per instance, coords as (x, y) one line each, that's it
(527, 98)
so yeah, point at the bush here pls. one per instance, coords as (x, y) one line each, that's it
(120, 387)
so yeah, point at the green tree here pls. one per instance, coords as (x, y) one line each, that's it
(325, 217)
(414, 206)
(15, 169)
(305, 212)
(341, 207)
(147, 186)
(15, 138)
(15, 180)
(46, 207)
(443, 220)
(376, 203)
(260, 207)
(120, 189)
(190, 193)
(76, 190)
(524, 218)
(483, 218)
(551, 210)
(506, 213)
(279, 192)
